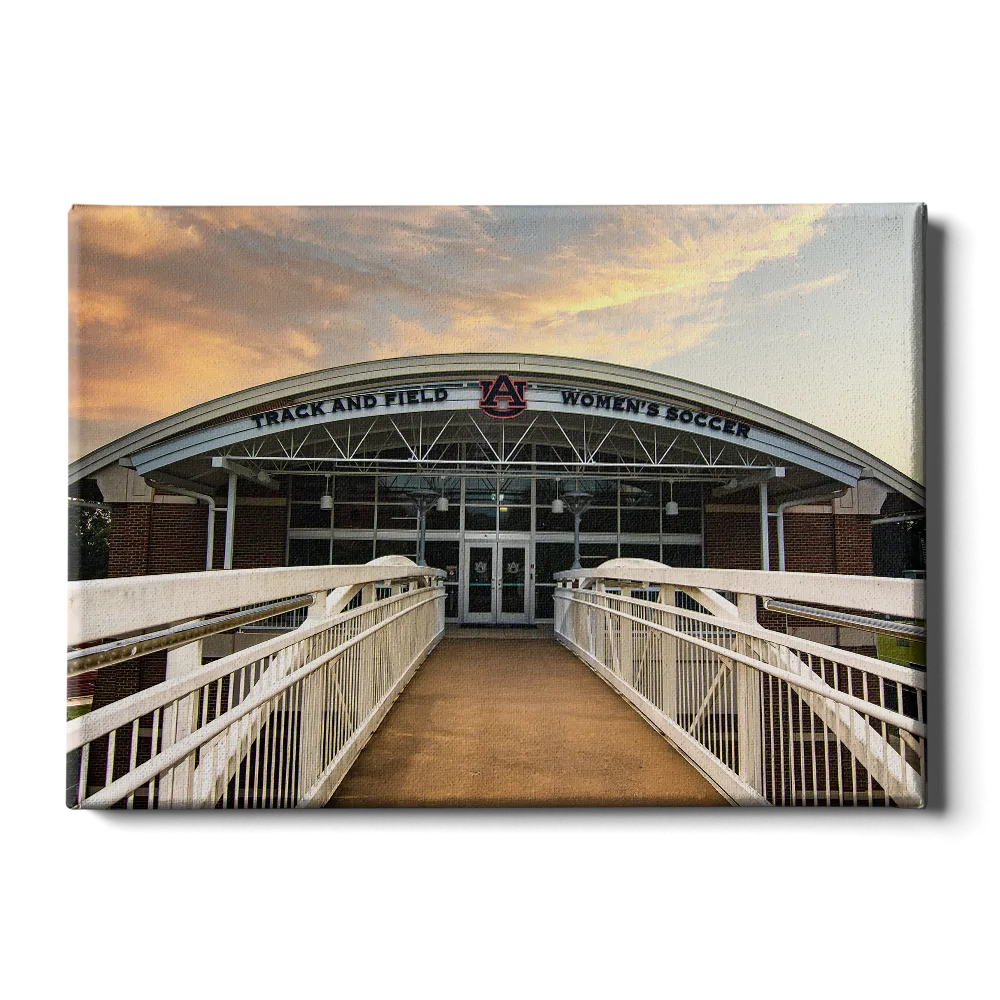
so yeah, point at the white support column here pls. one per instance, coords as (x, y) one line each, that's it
(230, 521)
(765, 541)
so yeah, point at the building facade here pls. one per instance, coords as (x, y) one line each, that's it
(501, 470)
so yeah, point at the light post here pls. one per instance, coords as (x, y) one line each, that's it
(578, 501)
(423, 499)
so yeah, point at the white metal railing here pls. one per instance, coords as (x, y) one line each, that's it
(770, 718)
(276, 725)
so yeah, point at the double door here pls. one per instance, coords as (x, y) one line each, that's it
(496, 582)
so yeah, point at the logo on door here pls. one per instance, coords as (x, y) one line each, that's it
(502, 397)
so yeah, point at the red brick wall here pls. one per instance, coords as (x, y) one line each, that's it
(732, 540)
(171, 538)
(128, 539)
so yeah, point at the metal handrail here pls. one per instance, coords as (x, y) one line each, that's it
(900, 630)
(81, 661)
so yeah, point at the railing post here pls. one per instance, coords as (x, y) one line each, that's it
(626, 662)
(318, 607)
(749, 718)
(179, 722)
(668, 653)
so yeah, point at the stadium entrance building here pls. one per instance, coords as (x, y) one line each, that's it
(501, 469)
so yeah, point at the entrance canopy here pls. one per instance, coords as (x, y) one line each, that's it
(464, 415)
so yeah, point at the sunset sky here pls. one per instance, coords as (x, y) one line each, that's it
(809, 309)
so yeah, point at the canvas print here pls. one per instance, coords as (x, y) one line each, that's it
(496, 506)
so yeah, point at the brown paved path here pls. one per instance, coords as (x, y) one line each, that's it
(519, 723)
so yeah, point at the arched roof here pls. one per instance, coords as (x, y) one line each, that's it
(563, 371)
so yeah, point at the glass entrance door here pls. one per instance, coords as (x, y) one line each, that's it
(480, 583)
(496, 590)
(513, 583)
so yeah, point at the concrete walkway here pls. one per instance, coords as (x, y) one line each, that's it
(514, 722)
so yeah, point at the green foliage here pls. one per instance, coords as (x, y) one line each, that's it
(88, 542)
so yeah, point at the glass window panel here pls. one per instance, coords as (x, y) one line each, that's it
(481, 579)
(633, 551)
(515, 519)
(599, 519)
(636, 520)
(544, 602)
(309, 515)
(480, 518)
(396, 517)
(480, 490)
(392, 547)
(443, 555)
(512, 579)
(351, 552)
(545, 491)
(355, 488)
(515, 490)
(597, 553)
(545, 520)
(307, 487)
(682, 555)
(396, 489)
(683, 523)
(446, 520)
(353, 515)
(551, 557)
(686, 494)
(308, 551)
(637, 493)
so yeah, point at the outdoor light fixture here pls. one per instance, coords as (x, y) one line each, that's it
(326, 501)
(670, 508)
(557, 505)
(441, 505)
(631, 495)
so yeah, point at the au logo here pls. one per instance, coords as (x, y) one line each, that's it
(502, 397)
